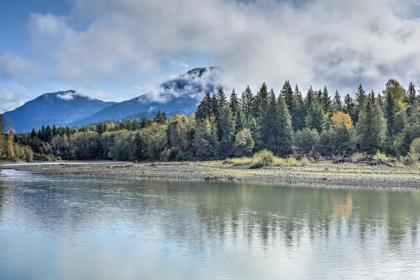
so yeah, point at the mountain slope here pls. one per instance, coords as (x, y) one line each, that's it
(59, 108)
(177, 96)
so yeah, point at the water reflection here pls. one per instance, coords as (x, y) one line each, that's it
(328, 230)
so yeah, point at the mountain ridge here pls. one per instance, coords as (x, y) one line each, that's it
(180, 95)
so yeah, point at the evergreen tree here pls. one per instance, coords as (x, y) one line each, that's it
(247, 101)
(411, 100)
(237, 115)
(261, 102)
(284, 129)
(360, 102)
(224, 125)
(349, 107)
(391, 109)
(411, 94)
(287, 94)
(298, 120)
(292, 103)
(337, 104)
(276, 130)
(310, 98)
(371, 128)
(326, 100)
(204, 109)
(214, 104)
(315, 115)
(160, 117)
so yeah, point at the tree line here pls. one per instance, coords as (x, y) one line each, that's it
(238, 125)
(9, 148)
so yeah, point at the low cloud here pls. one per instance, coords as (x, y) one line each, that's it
(322, 42)
(12, 99)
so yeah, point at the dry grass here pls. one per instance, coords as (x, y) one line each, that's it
(266, 158)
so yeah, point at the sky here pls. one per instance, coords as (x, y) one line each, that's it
(115, 50)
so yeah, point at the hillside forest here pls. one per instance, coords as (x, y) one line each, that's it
(229, 125)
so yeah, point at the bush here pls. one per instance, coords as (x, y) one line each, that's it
(244, 143)
(262, 159)
(306, 140)
(267, 158)
(381, 157)
(415, 150)
(358, 156)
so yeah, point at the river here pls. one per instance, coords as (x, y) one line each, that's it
(74, 228)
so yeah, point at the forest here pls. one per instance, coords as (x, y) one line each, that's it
(227, 125)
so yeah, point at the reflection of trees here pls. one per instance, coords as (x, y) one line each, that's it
(1, 195)
(199, 214)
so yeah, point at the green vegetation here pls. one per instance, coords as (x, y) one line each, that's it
(266, 158)
(316, 126)
(9, 149)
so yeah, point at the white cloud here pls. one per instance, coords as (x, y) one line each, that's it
(337, 43)
(12, 99)
(67, 96)
(16, 68)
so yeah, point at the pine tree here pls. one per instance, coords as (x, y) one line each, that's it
(326, 100)
(287, 94)
(276, 129)
(247, 101)
(261, 102)
(237, 116)
(204, 109)
(391, 109)
(349, 107)
(224, 125)
(310, 98)
(360, 102)
(315, 115)
(371, 128)
(298, 119)
(411, 98)
(292, 104)
(284, 129)
(337, 104)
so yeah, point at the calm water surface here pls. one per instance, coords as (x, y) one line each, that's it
(70, 228)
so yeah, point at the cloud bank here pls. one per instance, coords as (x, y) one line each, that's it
(322, 42)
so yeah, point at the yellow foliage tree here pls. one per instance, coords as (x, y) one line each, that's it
(340, 118)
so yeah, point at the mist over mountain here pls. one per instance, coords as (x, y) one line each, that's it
(60, 108)
(177, 96)
(68, 108)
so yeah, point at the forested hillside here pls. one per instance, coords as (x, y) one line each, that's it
(232, 125)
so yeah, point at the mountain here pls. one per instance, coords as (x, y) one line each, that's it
(60, 108)
(177, 96)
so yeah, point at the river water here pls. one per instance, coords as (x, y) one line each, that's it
(72, 228)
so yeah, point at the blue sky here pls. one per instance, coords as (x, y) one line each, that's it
(117, 50)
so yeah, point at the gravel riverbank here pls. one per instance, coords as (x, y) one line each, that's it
(317, 173)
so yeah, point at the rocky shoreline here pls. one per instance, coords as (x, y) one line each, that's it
(324, 173)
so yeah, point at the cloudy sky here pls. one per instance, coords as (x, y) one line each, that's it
(116, 50)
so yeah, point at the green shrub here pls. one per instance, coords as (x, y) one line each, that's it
(262, 159)
(358, 156)
(306, 140)
(267, 158)
(381, 157)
